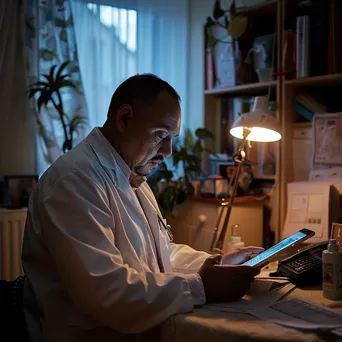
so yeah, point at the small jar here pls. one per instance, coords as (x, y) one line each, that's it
(332, 271)
(235, 241)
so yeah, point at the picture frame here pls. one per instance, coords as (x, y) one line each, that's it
(18, 189)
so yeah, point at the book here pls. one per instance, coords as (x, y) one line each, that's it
(303, 111)
(310, 103)
(302, 46)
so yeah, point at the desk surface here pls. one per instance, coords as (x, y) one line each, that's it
(204, 325)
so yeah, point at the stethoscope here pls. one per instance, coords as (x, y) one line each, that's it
(167, 227)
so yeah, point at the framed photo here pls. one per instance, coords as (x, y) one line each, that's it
(18, 189)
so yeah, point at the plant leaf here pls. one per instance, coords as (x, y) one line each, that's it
(203, 133)
(226, 22)
(61, 68)
(40, 84)
(188, 139)
(181, 194)
(48, 79)
(210, 22)
(197, 148)
(211, 41)
(52, 72)
(33, 91)
(237, 26)
(43, 99)
(67, 83)
(47, 55)
(232, 9)
(218, 12)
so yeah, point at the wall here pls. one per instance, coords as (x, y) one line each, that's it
(17, 136)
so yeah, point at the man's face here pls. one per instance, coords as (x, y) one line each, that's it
(148, 134)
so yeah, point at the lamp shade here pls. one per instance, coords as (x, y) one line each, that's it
(263, 126)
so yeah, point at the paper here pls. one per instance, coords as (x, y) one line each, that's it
(300, 313)
(337, 332)
(327, 139)
(308, 207)
(263, 292)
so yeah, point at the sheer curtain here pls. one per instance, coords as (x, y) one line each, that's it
(50, 40)
(117, 39)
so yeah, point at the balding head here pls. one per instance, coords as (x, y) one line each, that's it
(143, 116)
(140, 90)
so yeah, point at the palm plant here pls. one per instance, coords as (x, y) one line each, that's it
(49, 91)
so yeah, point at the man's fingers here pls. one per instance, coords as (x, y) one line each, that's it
(215, 259)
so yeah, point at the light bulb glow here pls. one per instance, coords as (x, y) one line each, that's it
(259, 134)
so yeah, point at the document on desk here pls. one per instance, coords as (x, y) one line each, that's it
(263, 292)
(297, 312)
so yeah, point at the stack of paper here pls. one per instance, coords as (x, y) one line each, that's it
(301, 313)
(263, 292)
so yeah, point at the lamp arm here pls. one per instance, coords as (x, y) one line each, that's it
(240, 157)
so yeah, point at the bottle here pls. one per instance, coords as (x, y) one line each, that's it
(332, 271)
(235, 240)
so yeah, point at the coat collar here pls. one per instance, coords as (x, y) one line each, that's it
(115, 167)
(108, 156)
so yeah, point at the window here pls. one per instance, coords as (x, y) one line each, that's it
(117, 39)
(124, 22)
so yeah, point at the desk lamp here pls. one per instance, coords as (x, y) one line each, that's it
(257, 125)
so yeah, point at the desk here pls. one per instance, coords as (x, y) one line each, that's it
(203, 325)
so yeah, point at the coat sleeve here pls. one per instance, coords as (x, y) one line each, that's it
(186, 259)
(78, 233)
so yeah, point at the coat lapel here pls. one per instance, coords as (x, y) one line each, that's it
(151, 213)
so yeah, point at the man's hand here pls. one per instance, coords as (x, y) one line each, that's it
(225, 282)
(240, 255)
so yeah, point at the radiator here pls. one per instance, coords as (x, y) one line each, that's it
(12, 224)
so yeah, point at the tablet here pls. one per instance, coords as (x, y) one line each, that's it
(290, 241)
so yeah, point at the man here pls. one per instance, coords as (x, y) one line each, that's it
(98, 262)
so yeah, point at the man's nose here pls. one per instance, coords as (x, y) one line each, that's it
(166, 148)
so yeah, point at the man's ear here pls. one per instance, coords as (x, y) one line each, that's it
(124, 114)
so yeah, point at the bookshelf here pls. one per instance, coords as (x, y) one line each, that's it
(316, 81)
(244, 89)
(279, 17)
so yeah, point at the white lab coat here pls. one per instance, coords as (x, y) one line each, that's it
(91, 250)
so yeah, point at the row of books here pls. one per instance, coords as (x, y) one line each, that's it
(313, 45)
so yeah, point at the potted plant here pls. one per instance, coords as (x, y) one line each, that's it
(172, 187)
(49, 91)
(223, 29)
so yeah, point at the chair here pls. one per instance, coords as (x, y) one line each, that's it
(13, 322)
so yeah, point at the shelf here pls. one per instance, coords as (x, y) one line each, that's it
(269, 6)
(244, 200)
(325, 80)
(244, 89)
(302, 124)
(264, 177)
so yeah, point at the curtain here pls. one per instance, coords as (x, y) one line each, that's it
(17, 147)
(50, 40)
(117, 39)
